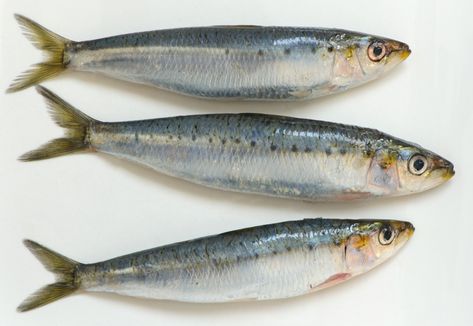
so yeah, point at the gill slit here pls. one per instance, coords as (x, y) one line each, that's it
(359, 64)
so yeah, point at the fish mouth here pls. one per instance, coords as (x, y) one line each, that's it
(404, 53)
(449, 173)
(402, 50)
(409, 229)
(446, 166)
(404, 227)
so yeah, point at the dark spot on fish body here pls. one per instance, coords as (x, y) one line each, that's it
(237, 140)
(294, 148)
(252, 143)
(384, 164)
(224, 141)
(260, 52)
(227, 51)
(275, 252)
(210, 140)
(313, 49)
(273, 147)
(256, 256)
(193, 137)
(136, 136)
(342, 150)
(307, 150)
(170, 137)
(311, 247)
(328, 151)
(287, 51)
(330, 48)
(288, 248)
(368, 153)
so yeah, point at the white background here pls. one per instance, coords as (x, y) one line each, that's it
(91, 207)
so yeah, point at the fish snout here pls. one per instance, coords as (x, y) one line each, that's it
(399, 48)
(447, 166)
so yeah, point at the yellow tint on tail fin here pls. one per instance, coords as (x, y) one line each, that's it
(65, 115)
(51, 44)
(65, 271)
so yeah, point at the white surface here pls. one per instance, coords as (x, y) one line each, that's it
(92, 207)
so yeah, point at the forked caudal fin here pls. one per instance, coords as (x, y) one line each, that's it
(65, 115)
(65, 271)
(53, 46)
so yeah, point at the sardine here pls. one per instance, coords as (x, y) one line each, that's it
(223, 62)
(256, 153)
(261, 263)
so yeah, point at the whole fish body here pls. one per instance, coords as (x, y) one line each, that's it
(256, 153)
(260, 263)
(224, 62)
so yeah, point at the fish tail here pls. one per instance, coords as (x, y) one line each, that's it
(53, 46)
(65, 270)
(76, 123)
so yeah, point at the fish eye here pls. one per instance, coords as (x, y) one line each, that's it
(377, 51)
(386, 235)
(418, 164)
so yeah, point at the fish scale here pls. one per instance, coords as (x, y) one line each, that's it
(237, 156)
(213, 258)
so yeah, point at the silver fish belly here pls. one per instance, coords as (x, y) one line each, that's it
(270, 262)
(216, 62)
(253, 153)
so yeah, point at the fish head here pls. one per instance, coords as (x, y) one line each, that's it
(371, 242)
(361, 58)
(401, 168)
(419, 169)
(378, 56)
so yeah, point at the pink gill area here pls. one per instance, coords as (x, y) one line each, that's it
(332, 280)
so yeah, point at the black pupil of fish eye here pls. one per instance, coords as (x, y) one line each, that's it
(387, 234)
(377, 51)
(419, 164)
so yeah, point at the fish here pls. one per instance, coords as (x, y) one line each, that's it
(256, 153)
(266, 262)
(222, 62)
